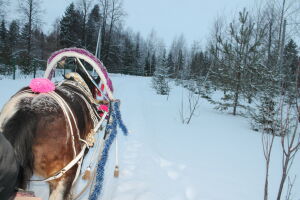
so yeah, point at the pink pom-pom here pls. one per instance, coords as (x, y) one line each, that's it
(41, 85)
(103, 108)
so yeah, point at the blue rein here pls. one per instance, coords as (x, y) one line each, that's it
(112, 128)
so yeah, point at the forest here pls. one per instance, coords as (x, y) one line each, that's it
(252, 58)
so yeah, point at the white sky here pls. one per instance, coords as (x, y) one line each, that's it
(169, 18)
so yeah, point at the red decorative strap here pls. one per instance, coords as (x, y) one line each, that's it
(103, 108)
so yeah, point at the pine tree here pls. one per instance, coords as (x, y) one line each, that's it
(237, 61)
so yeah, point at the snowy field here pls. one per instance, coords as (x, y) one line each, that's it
(215, 157)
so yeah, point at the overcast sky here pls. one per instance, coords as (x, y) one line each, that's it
(169, 18)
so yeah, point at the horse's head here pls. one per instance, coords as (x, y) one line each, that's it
(89, 81)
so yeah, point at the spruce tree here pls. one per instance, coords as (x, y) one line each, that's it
(153, 64)
(264, 117)
(128, 56)
(170, 66)
(13, 41)
(13, 35)
(71, 28)
(159, 80)
(147, 68)
(179, 65)
(93, 28)
(137, 57)
(290, 68)
(4, 56)
(25, 57)
(199, 65)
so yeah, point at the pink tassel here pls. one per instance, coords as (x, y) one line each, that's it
(41, 85)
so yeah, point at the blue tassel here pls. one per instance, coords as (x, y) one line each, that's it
(116, 120)
(119, 118)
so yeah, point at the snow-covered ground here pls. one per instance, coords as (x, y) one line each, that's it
(215, 157)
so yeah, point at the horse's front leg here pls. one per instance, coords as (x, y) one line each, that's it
(60, 189)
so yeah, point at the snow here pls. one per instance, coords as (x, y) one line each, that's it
(216, 157)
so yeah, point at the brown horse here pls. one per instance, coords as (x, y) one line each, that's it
(44, 139)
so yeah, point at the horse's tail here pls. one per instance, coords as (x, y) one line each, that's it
(18, 124)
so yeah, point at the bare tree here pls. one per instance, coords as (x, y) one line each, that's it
(284, 15)
(104, 9)
(116, 14)
(31, 11)
(111, 13)
(267, 142)
(290, 136)
(56, 28)
(84, 6)
(291, 184)
(3, 6)
(189, 110)
(290, 142)
(284, 124)
(180, 55)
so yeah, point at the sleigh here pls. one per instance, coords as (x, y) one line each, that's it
(91, 174)
(88, 116)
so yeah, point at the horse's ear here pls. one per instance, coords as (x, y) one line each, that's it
(97, 80)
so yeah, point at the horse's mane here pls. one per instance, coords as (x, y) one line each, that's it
(87, 80)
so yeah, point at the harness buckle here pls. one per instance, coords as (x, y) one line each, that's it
(90, 139)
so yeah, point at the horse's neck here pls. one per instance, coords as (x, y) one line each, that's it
(75, 88)
(78, 79)
(79, 86)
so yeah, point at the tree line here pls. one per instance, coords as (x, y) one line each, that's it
(252, 55)
(252, 60)
(24, 44)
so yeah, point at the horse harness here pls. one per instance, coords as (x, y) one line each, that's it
(89, 141)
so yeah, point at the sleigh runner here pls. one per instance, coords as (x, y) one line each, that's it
(88, 143)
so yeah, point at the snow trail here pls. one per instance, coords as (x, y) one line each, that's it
(215, 157)
(143, 168)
